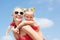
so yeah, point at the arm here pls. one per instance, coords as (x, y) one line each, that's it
(39, 32)
(41, 35)
(32, 33)
(9, 27)
(35, 27)
(8, 30)
(25, 23)
(14, 30)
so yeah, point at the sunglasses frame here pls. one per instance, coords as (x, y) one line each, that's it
(16, 12)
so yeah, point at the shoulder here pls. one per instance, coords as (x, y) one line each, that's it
(35, 27)
(12, 24)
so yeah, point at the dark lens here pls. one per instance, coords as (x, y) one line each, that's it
(16, 12)
(21, 13)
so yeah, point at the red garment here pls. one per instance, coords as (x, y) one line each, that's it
(35, 27)
(25, 37)
(12, 24)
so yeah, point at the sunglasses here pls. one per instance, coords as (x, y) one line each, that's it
(16, 12)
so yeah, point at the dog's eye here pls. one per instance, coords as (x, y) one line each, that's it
(21, 13)
(16, 12)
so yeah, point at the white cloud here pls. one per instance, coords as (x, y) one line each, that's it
(8, 37)
(44, 22)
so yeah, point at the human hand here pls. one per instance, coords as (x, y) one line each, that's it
(15, 30)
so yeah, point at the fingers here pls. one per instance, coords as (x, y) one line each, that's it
(16, 31)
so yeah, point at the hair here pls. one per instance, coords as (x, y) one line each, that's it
(15, 24)
(16, 8)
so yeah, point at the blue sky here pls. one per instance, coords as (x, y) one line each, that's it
(49, 9)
